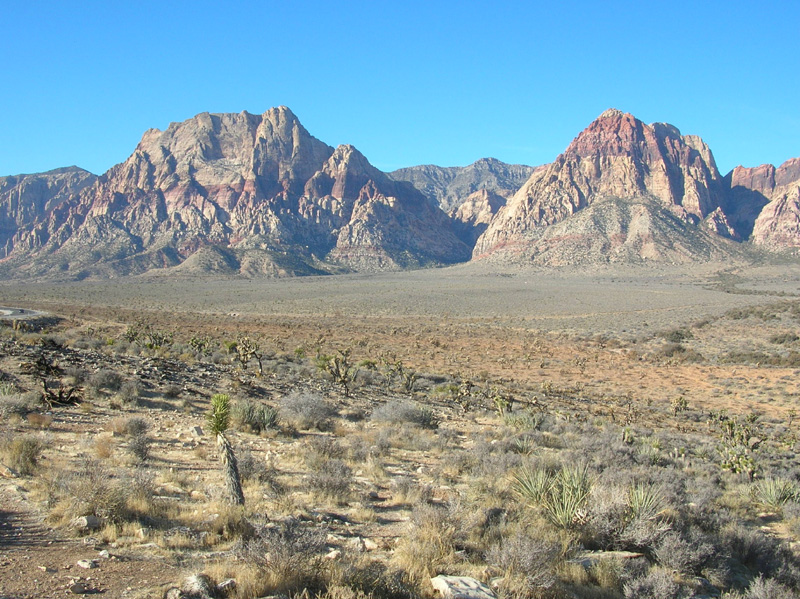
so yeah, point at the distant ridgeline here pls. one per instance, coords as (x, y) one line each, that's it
(257, 195)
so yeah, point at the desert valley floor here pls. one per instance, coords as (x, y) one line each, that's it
(467, 378)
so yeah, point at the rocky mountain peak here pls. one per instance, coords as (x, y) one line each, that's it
(616, 156)
(611, 113)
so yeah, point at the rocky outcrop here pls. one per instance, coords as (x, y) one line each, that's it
(617, 230)
(765, 203)
(270, 197)
(27, 200)
(448, 187)
(472, 194)
(618, 157)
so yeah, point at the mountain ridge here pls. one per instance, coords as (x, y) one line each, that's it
(258, 195)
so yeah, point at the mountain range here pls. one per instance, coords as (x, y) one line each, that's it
(258, 195)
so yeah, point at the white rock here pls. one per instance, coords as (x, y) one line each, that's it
(87, 523)
(461, 587)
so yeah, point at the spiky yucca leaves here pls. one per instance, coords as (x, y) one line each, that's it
(561, 495)
(218, 419)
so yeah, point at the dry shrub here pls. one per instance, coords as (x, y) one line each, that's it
(656, 584)
(306, 410)
(288, 556)
(332, 480)
(40, 421)
(93, 490)
(21, 453)
(106, 379)
(527, 563)
(431, 543)
(19, 404)
(405, 412)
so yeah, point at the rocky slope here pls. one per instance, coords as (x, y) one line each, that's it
(472, 194)
(617, 157)
(765, 203)
(256, 191)
(26, 200)
(258, 195)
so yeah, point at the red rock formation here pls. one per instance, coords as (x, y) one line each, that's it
(245, 182)
(617, 156)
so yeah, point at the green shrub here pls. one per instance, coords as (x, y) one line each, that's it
(561, 495)
(254, 415)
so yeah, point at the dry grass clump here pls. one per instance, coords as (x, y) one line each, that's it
(14, 402)
(93, 490)
(21, 453)
(432, 542)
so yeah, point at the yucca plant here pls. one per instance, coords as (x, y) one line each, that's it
(218, 419)
(562, 496)
(774, 493)
(645, 501)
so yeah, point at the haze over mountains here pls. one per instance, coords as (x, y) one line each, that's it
(258, 195)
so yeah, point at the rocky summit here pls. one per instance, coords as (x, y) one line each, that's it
(668, 178)
(258, 195)
(239, 193)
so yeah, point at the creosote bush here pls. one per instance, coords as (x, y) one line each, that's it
(306, 410)
(405, 412)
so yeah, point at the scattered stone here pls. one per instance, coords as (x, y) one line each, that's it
(48, 569)
(369, 544)
(461, 587)
(196, 431)
(7, 472)
(198, 586)
(79, 588)
(589, 559)
(87, 564)
(226, 587)
(333, 554)
(104, 554)
(87, 523)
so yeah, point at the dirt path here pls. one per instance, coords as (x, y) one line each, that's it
(37, 562)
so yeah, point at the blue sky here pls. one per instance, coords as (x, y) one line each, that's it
(406, 83)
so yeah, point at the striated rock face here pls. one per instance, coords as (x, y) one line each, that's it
(448, 187)
(765, 203)
(472, 194)
(272, 199)
(620, 157)
(616, 230)
(26, 200)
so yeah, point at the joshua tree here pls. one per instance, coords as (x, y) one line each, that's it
(218, 419)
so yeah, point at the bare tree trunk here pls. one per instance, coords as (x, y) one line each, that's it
(230, 469)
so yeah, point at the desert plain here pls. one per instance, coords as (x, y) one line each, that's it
(458, 382)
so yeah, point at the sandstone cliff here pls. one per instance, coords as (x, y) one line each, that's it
(259, 186)
(617, 157)
(765, 203)
(26, 200)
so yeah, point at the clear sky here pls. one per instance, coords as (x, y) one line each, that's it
(405, 82)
